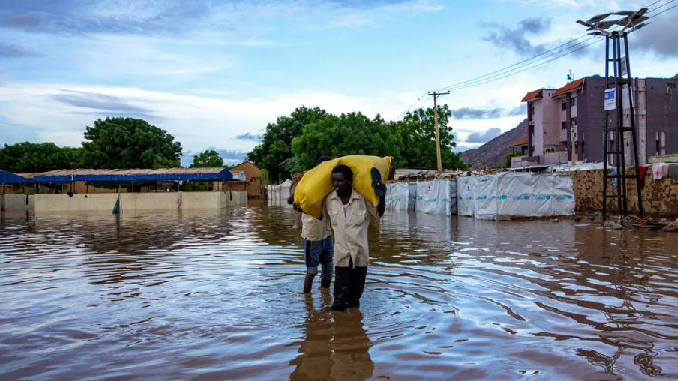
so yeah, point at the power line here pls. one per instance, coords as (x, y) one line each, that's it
(567, 48)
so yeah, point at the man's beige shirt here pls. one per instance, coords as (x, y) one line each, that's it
(350, 227)
(313, 229)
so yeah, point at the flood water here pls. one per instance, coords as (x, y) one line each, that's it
(217, 296)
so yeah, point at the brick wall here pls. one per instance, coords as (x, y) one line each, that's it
(660, 198)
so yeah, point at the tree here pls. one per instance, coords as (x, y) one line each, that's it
(347, 134)
(208, 158)
(129, 143)
(38, 157)
(417, 131)
(509, 156)
(275, 151)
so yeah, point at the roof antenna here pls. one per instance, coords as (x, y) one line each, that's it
(570, 77)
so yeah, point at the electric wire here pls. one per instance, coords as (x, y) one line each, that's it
(562, 50)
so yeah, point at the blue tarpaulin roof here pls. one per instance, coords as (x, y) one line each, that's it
(11, 178)
(169, 174)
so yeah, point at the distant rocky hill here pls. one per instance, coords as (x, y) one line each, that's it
(493, 153)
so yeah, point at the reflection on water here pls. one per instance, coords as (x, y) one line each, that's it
(217, 295)
(335, 345)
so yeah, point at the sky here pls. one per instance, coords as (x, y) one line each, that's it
(215, 73)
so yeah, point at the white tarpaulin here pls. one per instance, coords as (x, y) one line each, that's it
(413, 196)
(437, 197)
(514, 194)
(485, 188)
(465, 196)
(397, 196)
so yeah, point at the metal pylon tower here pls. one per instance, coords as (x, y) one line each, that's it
(618, 77)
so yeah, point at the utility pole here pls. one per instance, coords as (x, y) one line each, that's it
(435, 114)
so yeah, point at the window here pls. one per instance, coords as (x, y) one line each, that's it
(671, 85)
(564, 125)
(563, 106)
(573, 122)
(574, 101)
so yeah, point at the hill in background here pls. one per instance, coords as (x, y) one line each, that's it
(493, 153)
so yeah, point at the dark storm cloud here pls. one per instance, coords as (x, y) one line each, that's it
(477, 113)
(516, 39)
(111, 105)
(487, 113)
(659, 37)
(483, 137)
(250, 136)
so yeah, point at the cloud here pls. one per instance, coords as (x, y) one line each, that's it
(59, 112)
(15, 51)
(108, 104)
(487, 113)
(659, 37)
(100, 16)
(152, 17)
(483, 137)
(250, 136)
(516, 39)
(518, 110)
(231, 157)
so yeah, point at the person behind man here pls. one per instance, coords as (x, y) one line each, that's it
(350, 216)
(316, 238)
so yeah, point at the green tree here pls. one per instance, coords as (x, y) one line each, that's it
(347, 134)
(129, 143)
(38, 157)
(509, 156)
(417, 131)
(208, 158)
(274, 154)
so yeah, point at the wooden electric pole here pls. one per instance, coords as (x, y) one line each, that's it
(435, 113)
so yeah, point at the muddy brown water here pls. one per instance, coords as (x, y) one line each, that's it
(216, 296)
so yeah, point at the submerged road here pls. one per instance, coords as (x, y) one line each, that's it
(216, 296)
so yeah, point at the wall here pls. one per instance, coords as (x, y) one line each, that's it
(591, 120)
(660, 198)
(550, 109)
(15, 202)
(662, 114)
(553, 158)
(139, 201)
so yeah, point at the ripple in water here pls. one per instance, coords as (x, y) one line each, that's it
(216, 295)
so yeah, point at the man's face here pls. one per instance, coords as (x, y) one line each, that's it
(340, 184)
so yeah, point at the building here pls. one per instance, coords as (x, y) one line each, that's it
(82, 190)
(568, 124)
(546, 140)
(252, 174)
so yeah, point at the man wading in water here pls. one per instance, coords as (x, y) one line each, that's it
(316, 237)
(350, 215)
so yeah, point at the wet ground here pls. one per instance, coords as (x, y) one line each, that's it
(216, 296)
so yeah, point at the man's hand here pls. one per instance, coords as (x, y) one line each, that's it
(381, 208)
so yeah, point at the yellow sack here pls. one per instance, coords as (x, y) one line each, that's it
(317, 182)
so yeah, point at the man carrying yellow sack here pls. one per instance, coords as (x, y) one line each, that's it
(350, 215)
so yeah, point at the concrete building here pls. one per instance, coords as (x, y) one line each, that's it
(545, 137)
(575, 130)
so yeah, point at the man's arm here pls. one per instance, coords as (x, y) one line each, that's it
(381, 208)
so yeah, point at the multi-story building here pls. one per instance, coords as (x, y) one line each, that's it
(568, 124)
